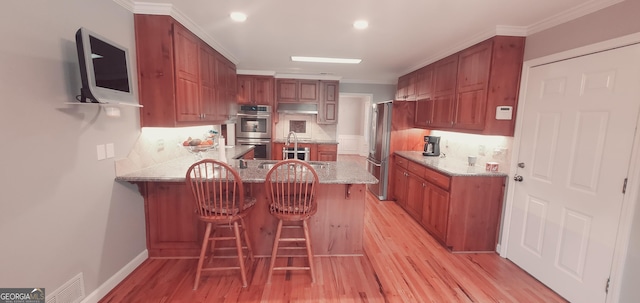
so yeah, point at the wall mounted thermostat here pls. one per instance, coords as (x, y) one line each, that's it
(504, 112)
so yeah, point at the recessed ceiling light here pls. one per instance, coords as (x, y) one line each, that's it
(325, 60)
(361, 24)
(238, 16)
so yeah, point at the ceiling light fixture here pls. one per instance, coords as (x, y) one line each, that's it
(325, 60)
(238, 16)
(360, 24)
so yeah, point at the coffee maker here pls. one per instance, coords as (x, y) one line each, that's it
(431, 146)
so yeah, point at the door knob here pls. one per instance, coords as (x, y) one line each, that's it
(517, 178)
(521, 164)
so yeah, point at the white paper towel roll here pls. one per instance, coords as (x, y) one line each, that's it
(222, 156)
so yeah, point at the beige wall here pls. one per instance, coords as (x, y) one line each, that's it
(61, 213)
(612, 22)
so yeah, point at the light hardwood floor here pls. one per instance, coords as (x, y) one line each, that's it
(402, 263)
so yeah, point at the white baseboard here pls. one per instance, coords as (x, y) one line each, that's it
(112, 282)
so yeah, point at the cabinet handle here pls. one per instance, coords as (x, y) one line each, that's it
(424, 185)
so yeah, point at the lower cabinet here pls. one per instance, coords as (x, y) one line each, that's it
(317, 152)
(461, 212)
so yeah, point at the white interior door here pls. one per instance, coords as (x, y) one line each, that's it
(577, 133)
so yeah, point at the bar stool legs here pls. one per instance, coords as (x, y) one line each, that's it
(276, 247)
(210, 237)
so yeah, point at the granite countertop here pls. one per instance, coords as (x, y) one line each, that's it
(343, 172)
(311, 141)
(449, 167)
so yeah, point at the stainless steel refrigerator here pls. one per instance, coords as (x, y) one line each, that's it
(379, 137)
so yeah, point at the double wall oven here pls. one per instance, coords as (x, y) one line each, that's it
(253, 127)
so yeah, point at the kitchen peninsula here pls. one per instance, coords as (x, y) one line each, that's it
(173, 229)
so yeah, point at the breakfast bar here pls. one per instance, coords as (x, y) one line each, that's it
(174, 231)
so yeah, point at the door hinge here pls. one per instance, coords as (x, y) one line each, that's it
(624, 186)
(606, 289)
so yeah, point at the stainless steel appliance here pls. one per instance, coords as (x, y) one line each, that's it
(431, 146)
(303, 153)
(378, 159)
(253, 127)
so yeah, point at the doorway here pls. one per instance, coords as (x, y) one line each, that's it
(353, 122)
(575, 143)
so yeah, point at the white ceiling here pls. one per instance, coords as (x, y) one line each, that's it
(403, 35)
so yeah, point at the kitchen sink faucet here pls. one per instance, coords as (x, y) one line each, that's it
(295, 143)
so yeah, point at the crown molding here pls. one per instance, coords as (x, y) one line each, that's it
(570, 14)
(255, 72)
(508, 30)
(127, 4)
(370, 82)
(308, 76)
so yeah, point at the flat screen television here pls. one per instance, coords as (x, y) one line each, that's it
(105, 69)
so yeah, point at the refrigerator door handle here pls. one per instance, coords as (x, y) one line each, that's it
(374, 163)
(373, 131)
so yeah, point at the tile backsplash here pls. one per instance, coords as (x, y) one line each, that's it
(458, 146)
(312, 129)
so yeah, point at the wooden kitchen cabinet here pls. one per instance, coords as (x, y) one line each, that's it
(173, 227)
(444, 86)
(468, 86)
(328, 105)
(180, 76)
(406, 89)
(256, 90)
(297, 90)
(462, 212)
(327, 152)
(474, 64)
(317, 151)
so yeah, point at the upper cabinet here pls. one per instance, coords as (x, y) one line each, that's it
(256, 90)
(328, 105)
(182, 80)
(463, 91)
(297, 90)
(406, 90)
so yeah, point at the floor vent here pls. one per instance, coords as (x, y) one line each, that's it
(70, 292)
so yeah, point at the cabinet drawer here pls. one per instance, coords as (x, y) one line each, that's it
(437, 178)
(400, 161)
(327, 147)
(416, 168)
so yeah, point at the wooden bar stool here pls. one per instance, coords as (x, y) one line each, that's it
(291, 187)
(221, 203)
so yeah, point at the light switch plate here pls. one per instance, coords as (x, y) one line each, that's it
(101, 152)
(110, 150)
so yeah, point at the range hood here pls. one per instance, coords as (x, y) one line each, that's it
(298, 108)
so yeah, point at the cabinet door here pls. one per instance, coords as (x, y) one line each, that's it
(286, 90)
(424, 113)
(245, 89)
(309, 91)
(328, 107)
(400, 178)
(435, 215)
(424, 83)
(327, 152)
(474, 65)
(173, 226)
(411, 86)
(442, 115)
(401, 89)
(208, 97)
(445, 75)
(187, 69)
(415, 191)
(263, 90)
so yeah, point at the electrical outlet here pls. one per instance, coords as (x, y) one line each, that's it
(499, 153)
(481, 150)
(160, 145)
